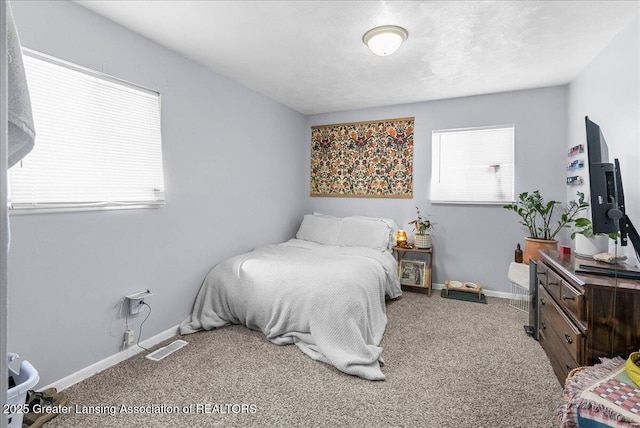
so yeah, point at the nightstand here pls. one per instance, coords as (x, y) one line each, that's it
(415, 273)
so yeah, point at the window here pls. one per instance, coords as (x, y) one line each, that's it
(98, 142)
(473, 165)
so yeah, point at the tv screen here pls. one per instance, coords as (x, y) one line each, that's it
(602, 182)
(608, 212)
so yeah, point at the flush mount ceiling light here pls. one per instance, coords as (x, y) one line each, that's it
(385, 40)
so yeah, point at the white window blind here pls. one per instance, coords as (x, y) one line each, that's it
(98, 142)
(473, 165)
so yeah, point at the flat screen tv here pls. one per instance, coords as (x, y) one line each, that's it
(605, 212)
(608, 213)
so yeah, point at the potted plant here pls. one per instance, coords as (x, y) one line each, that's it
(543, 226)
(421, 225)
(587, 243)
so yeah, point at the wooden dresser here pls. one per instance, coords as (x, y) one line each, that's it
(584, 317)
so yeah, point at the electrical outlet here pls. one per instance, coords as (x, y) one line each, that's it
(135, 305)
(136, 301)
(129, 336)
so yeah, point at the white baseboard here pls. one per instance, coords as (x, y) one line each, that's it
(488, 293)
(93, 369)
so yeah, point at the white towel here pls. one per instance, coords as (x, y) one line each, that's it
(21, 130)
(519, 274)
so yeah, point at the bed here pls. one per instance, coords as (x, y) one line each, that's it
(323, 291)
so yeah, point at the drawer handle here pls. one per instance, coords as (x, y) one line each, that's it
(569, 368)
(542, 273)
(553, 283)
(542, 301)
(568, 339)
(544, 326)
(569, 298)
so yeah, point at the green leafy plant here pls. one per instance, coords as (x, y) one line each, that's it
(538, 216)
(421, 224)
(584, 226)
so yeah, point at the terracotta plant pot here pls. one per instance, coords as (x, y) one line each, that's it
(532, 245)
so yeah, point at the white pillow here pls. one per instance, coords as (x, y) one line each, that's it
(320, 229)
(393, 227)
(324, 215)
(365, 232)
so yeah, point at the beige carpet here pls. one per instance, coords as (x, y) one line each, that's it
(448, 364)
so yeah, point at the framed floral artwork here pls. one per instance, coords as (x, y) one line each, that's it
(364, 159)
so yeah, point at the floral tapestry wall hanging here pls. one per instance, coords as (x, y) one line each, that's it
(364, 159)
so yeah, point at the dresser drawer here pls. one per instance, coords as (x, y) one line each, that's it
(553, 322)
(542, 271)
(561, 361)
(553, 284)
(572, 300)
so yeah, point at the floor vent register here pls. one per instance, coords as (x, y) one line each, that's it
(165, 351)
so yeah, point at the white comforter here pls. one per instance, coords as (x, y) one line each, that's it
(329, 301)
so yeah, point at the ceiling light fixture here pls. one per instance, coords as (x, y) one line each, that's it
(385, 40)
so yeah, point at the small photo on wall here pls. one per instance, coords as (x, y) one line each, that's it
(412, 272)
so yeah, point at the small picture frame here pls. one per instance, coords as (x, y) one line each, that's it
(412, 272)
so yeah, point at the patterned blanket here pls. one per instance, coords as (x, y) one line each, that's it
(603, 394)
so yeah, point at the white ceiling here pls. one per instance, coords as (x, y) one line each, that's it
(309, 55)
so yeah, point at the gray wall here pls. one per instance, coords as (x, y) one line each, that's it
(232, 170)
(608, 91)
(471, 242)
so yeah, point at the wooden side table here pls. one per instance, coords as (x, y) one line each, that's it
(426, 285)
